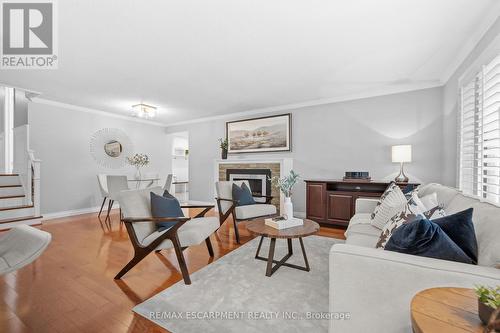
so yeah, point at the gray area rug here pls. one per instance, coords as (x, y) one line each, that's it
(233, 294)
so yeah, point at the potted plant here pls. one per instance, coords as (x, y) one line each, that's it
(488, 302)
(286, 185)
(138, 161)
(223, 146)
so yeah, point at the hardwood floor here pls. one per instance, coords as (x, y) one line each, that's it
(70, 288)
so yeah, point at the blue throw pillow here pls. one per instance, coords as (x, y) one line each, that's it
(167, 194)
(242, 195)
(460, 229)
(165, 207)
(425, 238)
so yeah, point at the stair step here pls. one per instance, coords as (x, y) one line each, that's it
(12, 196)
(8, 191)
(20, 219)
(16, 185)
(16, 207)
(8, 174)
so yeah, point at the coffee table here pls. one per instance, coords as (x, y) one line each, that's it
(259, 228)
(443, 310)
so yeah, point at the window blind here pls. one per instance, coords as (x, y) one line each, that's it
(479, 165)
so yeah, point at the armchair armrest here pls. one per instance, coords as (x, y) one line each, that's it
(371, 284)
(268, 197)
(365, 205)
(155, 219)
(223, 199)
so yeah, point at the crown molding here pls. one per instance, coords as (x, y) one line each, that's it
(95, 111)
(323, 101)
(486, 23)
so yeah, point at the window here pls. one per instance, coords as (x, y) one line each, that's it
(479, 169)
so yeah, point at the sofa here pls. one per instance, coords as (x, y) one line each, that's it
(376, 286)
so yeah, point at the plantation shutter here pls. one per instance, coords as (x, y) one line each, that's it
(479, 167)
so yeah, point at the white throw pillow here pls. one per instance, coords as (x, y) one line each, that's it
(430, 201)
(392, 202)
(409, 212)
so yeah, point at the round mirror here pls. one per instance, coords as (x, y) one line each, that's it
(113, 148)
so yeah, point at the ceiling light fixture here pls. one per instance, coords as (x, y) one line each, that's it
(144, 111)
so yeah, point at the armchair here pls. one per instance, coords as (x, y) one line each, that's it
(228, 206)
(144, 234)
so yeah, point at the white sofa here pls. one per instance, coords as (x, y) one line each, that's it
(376, 286)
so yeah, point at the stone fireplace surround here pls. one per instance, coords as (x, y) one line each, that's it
(279, 167)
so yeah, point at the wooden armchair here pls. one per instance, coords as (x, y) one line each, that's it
(145, 237)
(228, 206)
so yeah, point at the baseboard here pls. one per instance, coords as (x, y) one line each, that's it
(67, 213)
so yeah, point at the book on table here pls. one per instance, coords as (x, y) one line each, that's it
(281, 222)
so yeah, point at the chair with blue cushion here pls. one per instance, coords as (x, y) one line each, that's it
(146, 236)
(241, 211)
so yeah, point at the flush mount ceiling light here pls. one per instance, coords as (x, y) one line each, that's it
(144, 111)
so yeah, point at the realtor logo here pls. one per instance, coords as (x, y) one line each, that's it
(29, 39)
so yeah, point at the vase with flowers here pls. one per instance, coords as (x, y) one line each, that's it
(286, 185)
(138, 161)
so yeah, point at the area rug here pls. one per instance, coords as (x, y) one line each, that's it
(233, 294)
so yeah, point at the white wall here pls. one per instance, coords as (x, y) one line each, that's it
(450, 105)
(61, 137)
(331, 139)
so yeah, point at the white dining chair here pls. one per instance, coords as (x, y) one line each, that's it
(116, 184)
(168, 183)
(154, 179)
(103, 187)
(20, 246)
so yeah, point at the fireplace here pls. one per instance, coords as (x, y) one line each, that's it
(259, 180)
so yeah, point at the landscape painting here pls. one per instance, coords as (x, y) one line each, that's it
(257, 135)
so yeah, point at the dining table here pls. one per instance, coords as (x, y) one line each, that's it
(150, 181)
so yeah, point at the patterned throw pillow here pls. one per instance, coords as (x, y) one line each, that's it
(392, 202)
(435, 213)
(410, 212)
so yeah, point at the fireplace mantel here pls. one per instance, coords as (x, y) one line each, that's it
(285, 166)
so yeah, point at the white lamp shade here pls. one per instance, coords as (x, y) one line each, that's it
(401, 153)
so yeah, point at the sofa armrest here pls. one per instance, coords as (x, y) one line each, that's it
(365, 205)
(377, 286)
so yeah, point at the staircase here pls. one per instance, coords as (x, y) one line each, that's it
(20, 196)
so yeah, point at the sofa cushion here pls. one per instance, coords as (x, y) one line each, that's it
(360, 231)
(251, 211)
(486, 220)
(390, 203)
(444, 193)
(192, 232)
(460, 229)
(422, 237)
(459, 203)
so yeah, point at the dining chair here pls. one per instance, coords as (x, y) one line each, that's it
(116, 184)
(20, 246)
(154, 179)
(168, 183)
(146, 238)
(228, 206)
(103, 187)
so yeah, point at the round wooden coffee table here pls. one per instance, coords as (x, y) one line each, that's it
(444, 310)
(259, 228)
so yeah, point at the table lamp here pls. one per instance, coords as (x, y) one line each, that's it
(401, 154)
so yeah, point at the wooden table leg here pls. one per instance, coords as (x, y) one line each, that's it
(304, 254)
(269, 270)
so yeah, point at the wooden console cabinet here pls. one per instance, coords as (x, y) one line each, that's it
(333, 201)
